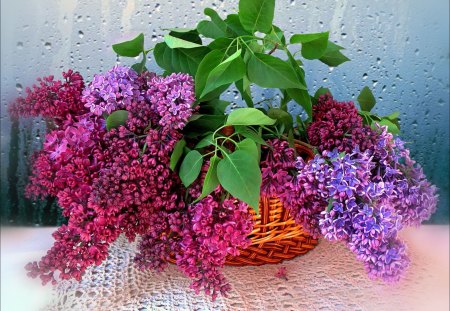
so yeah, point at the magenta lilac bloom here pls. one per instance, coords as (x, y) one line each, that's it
(337, 125)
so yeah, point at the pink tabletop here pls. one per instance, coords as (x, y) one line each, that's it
(327, 278)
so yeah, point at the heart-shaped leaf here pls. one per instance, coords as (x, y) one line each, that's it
(249, 133)
(314, 45)
(272, 72)
(239, 174)
(228, 71)
(177, 43)
(190, 167)
(366, 99)
(248, 116)
(116, 119)
(282, 117)
(211, 180)
(131, 48)
(179, 60)
(256, 15)
(177, 153)
(216, 28)
(333, 56)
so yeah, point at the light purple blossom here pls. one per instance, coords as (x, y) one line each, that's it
(111, 91)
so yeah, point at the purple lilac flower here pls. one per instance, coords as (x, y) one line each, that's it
(111, 91)
(172, 98)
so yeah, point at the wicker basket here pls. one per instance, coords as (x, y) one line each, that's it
(275, 236)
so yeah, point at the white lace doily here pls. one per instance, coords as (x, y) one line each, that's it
(327, 278)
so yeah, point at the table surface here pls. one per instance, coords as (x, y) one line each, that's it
(327, 278)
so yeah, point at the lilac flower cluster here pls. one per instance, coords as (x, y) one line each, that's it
(120, 182)
(198, 238)
(106, 182)
(171, 98)
(54, 100)
(111, 91)
(362, 197)
(338, 125)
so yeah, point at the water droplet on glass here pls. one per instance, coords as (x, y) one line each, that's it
(48, 45)
(80, 34)
(343, 35)
(19, 87)
(19, 45)
(364, 76)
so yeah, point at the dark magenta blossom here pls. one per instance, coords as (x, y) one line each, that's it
(55, 100)
(337, 125)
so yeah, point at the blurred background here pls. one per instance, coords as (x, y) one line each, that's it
(400, 49)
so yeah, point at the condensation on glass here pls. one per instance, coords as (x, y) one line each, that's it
(400, 49)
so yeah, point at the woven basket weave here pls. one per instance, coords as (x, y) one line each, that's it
(275, 236)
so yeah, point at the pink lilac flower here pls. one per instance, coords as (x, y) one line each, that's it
(199, 238)
(282, 273)
(337, 125)
(107, 183)
(52, 99)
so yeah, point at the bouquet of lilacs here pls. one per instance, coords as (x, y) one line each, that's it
(161, 159)
(361, 188)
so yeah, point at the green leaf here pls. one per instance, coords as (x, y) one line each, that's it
(249, 146)
(302, 98)
(249, 133)
(206, 141)
(131, 48)
(333, 56)
(216, 28)
(321, 91)
(243, 87)
(314, 45)
(235, 27)
(191, 36)
(366, 99)
(298, 70)
(190, 167)
(209, 62)
(211, 180)
(393, 115)
(180, 30)
(282, 117)
(176, 43)
(329, 206)
(291, 140)
(240, 175)
(206, 123)
(140, 67)
(221, 44)
(272, 72)
(392, 128)
(116, 119)
(228, 71)
(276, 35)
(179, 60)
(248, 116)
(177, 153)
(256, 15)
(215, 106)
